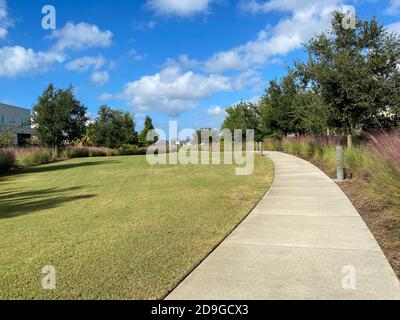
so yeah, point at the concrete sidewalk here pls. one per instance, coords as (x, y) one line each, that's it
(304, 240)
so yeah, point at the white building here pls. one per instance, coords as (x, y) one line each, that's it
(17, 121)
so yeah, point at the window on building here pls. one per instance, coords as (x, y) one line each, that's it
(2, 119)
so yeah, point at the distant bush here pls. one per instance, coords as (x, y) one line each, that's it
(86, 152)
(28, 157)
(7, 160)
(75, 152)
(132, 151)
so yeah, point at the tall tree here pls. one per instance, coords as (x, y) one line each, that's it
(113, 128)
(206, 135)
(59, 116)
(311, 114)
(277, 107)
(148, 126)
(243, 116)
(356, 71)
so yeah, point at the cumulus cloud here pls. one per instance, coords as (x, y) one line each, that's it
(255, 6)
(394, 27)
(172, 91)
(137, 56)
(100, 77)
(248, 79)
(4, 19)
(81, 36)
(394, 7)
(105, 96)
(186, 62)
(306, 18)
(16, 60)
(182, 8)
(85, 63)
(215, 112)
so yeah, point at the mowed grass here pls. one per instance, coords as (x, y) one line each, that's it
(117, 228)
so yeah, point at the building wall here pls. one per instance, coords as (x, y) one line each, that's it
(16, 119)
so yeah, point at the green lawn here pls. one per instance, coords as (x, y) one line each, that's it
(117, 228)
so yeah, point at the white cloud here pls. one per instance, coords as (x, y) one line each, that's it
(17, 60)
(255, 6)
(100, 77)
(4, 19)
(179, 7)
(394, 27)
(81, 36)
(136, 56)
(145, 25)
(106, 96)
(172, 91)
(306, 18)
(3, 32)
(186, 62)
(248, 79)
(394, 7)
(215, 112)
(85, 63)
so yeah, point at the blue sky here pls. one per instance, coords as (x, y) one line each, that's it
(170, 59)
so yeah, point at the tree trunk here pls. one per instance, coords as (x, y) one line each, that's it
(349, 141)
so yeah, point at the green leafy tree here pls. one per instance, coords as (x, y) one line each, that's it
(206, 135)
(278, 108)
(311, 113)
(7, 137)
(148, 126)
(244, 115)
(59, 117)
(113, 128)
(356, 72)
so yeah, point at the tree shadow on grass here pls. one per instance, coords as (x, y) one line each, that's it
(15, 203)
(64, 166)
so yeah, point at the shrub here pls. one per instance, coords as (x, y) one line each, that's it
(7, 160)
(385, 149)
(33, 156)
(86, 152)
(133, 151)
(75, 152)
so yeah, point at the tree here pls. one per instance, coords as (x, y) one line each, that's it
(244, 116)
(7, 137)
(59, 117)
(311, 114)
(277, 108)
(206, 135)
(356, 72)
(113, 128)
(148, 126)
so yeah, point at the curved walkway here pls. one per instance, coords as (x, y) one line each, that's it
(304, 240)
